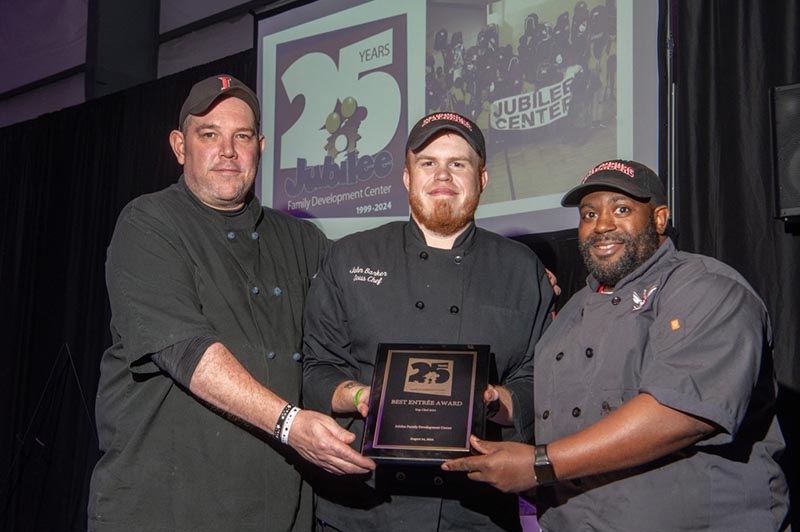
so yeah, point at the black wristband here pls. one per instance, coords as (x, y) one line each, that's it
(543, 470)
(282, 419)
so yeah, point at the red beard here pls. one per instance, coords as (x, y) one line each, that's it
(441, 219)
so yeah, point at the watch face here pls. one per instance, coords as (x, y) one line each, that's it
(544, 474)
(542, 468)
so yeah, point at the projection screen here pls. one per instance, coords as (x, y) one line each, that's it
(557, 86)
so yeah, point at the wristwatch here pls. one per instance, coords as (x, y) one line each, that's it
(542, 468)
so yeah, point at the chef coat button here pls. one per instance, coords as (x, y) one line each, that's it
(438, 481)
(423, 255)
(589, 352)
(271, 355)
(231, 235)
(420, 305)
(454, 310)
(559, 356)
(254, 290)
(277, 291)
(400, 476)
(297, 357)
(545, 414)
(615, 300)
(576, 412)
(254, 235)
(458, 259)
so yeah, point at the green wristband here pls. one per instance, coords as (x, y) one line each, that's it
(358, 395)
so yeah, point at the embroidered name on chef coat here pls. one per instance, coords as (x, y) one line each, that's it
(364, 274)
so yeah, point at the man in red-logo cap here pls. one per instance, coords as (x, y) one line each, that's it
(196, 404)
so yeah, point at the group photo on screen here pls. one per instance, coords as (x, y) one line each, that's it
(541, 84)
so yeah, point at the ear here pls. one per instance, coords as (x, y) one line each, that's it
(178, 144)
(261, 144)
(661, 217)
(484, 177)
(406, 177)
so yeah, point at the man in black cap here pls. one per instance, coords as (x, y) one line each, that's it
(195, 407)
(435, 279)
(654, 387)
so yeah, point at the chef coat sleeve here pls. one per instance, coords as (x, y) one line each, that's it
(152, 292)
(706, 349)
(327, 361)
(180, 359)
(519, 380)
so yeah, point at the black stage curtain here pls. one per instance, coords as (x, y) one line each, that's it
(65, 177)
(727, 56)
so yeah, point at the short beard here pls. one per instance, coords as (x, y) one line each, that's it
(442, 220)
(638, 249)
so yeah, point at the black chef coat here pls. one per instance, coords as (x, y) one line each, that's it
(388, 285)
(178, 270)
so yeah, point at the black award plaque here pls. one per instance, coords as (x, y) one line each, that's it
(425, 401)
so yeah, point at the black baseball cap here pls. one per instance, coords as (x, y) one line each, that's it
(205, 93)
(630, 177)
(427, 127)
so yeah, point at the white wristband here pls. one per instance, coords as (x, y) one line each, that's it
(287, 425)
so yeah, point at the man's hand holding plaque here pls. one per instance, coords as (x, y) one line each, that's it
(499, 405)
(351, 396)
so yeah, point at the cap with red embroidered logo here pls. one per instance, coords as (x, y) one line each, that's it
(427, 127)
(206, 92)
(630, 177)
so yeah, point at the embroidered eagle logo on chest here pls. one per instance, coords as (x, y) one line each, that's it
(640, 300)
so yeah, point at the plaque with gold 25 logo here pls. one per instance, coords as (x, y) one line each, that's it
(425, 401)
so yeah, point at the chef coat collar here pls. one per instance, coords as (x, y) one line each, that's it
(463, 244)
(248, 219)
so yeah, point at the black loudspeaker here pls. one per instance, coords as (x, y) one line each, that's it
(785, 121)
